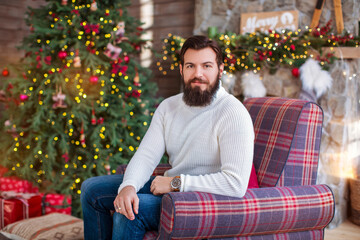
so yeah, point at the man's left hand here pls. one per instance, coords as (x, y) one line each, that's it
(161, 185)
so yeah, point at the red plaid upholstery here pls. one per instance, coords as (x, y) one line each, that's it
(288, 205)
(286, 131)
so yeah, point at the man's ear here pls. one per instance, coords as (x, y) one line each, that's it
(221, 69)
(180, 67)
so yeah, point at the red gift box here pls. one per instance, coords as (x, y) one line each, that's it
(18, 206)
(17, 185)
(53, 202)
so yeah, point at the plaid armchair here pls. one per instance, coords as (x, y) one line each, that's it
(288, 204)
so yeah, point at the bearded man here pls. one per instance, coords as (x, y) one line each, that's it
(208, 136)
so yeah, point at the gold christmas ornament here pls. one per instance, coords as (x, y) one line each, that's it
(77, 60)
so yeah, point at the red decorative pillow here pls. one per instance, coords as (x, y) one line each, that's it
(253, 182)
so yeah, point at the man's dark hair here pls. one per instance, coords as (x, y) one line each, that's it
(198, 42)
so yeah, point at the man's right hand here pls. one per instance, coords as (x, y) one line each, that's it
(127, 201)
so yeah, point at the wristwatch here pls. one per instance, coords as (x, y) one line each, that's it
(175, 184)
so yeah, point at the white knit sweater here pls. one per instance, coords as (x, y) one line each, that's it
(210, 148)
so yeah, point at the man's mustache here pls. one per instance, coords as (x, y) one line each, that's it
(198, 80)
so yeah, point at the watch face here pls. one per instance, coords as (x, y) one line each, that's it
(176, 183)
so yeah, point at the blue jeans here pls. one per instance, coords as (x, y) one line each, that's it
(97, 197)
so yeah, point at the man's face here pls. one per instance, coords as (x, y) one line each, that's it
(200, 74)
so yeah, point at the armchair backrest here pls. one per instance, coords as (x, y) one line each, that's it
(287, 140)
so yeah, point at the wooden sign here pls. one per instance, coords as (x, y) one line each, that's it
(264, 21)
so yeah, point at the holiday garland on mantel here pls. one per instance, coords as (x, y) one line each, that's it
(271, 50)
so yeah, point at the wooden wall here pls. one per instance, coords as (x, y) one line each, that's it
(13, 28)
(168, 16)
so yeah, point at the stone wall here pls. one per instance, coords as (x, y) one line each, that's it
(225, 14)
(340, 147)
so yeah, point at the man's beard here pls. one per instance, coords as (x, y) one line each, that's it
(195, 97)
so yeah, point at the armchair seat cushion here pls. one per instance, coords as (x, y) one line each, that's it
(262, 211)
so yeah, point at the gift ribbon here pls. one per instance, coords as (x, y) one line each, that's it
(13, 195)
(2, 213)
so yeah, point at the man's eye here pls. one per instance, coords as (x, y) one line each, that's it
(207, 66)
(189, 66)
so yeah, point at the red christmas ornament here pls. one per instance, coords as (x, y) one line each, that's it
(295, 72)
(23, 97)
(126, 59)
(62, 54)
(47, 60)
(66, 157)
(292, 47)
(100, 120)
(94, 79)
(137, 48)
(5, 72)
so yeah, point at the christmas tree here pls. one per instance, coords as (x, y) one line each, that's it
(81, 102)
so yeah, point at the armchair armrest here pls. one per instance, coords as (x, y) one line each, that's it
(193, 215)
(159, 170)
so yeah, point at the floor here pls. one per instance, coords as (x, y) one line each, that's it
(346, 231)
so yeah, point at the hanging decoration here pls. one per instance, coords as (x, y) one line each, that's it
(252, 85)
(5, 72)
(93, 117)
(62, 54)
(10, 128)
(136, 78)
(295, 72)
(94, 79)
(93, 6)
(59, 99)
(77, 60)
(120, 33)
(82, 136)
(315, 81)
(112, 51)
(107, 166)
(23, 97)
(66, 157)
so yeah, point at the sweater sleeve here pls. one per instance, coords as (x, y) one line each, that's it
(235, 134)
(148, 155)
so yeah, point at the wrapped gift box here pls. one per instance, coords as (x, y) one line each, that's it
(52, 202)
(17, 206)
(17, 185)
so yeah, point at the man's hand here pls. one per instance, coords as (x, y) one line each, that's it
(126, 201)
(161, 185)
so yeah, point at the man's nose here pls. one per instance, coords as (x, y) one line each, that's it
(198, 72)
